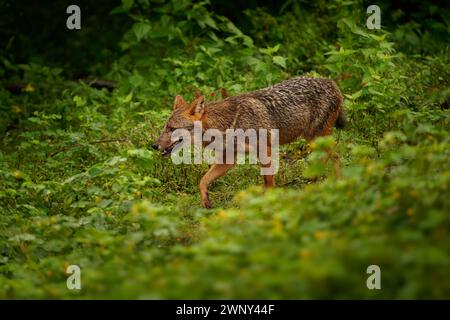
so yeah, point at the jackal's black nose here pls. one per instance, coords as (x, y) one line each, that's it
(155, 146)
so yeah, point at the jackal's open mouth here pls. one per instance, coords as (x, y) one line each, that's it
(167, 151)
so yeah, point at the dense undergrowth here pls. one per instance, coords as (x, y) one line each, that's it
(79, 184)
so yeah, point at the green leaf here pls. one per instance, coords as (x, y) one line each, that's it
(140, 153)
(94, 171)
(141, 30)
(127, 4)
(279, 60)
(136, 80)
(208, 20)
(233, 29)
(104, 203)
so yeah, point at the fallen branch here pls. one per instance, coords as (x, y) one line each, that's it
(15, 88)
(89, 142)
(99, 84)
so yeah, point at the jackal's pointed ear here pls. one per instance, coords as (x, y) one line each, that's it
(198, 107)
(179, 101)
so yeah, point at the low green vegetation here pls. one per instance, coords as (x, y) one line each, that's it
(80, 185)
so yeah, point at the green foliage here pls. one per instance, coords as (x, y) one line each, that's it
(80, 185)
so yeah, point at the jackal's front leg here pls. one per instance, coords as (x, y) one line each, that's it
(216, 171)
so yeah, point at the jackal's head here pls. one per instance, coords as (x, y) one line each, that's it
(183, 116)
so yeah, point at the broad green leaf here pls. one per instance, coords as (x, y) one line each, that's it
(279, 60)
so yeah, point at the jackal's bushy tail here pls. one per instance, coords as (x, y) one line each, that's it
(341, 121)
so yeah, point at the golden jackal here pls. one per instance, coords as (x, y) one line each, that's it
(298, 107)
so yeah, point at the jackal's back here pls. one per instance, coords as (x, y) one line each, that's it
(300, 106)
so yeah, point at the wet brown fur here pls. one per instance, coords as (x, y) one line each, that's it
(298, 107)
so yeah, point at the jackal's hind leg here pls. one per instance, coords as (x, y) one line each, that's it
(269, 179)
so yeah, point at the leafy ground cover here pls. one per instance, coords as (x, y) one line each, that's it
(79, 184)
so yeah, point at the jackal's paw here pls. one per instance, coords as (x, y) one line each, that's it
(206, 203)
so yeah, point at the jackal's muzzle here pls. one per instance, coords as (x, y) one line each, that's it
(168, 150)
